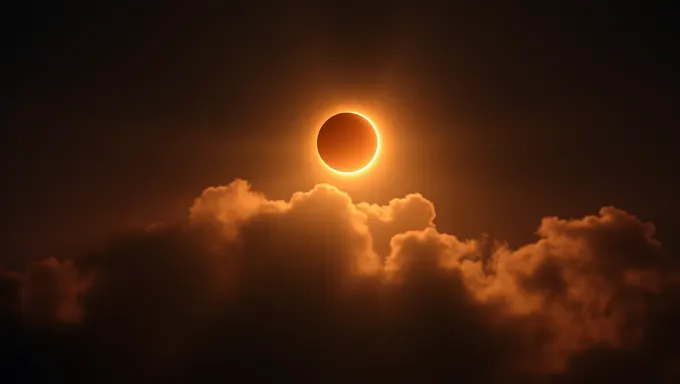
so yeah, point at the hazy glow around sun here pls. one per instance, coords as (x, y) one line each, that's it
(375, 155)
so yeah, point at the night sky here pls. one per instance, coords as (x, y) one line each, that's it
(119, 115)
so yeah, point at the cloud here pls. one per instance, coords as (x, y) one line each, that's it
(320, 288)
(50, 291)
(410, 213)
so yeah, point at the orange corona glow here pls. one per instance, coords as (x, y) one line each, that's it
(368, 164)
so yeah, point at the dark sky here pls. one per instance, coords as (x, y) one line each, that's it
(120, 113)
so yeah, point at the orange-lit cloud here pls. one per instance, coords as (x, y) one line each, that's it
(321, 288)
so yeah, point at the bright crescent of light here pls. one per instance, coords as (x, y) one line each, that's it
(365, 167)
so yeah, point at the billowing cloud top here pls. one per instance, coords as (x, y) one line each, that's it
(322, 289)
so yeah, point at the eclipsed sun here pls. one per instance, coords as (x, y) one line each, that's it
(348, 143)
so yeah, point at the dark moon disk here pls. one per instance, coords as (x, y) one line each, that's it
(347, 142)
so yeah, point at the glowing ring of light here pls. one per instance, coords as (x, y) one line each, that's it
(365, 167)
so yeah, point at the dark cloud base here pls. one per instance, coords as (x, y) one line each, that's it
(320, 289)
